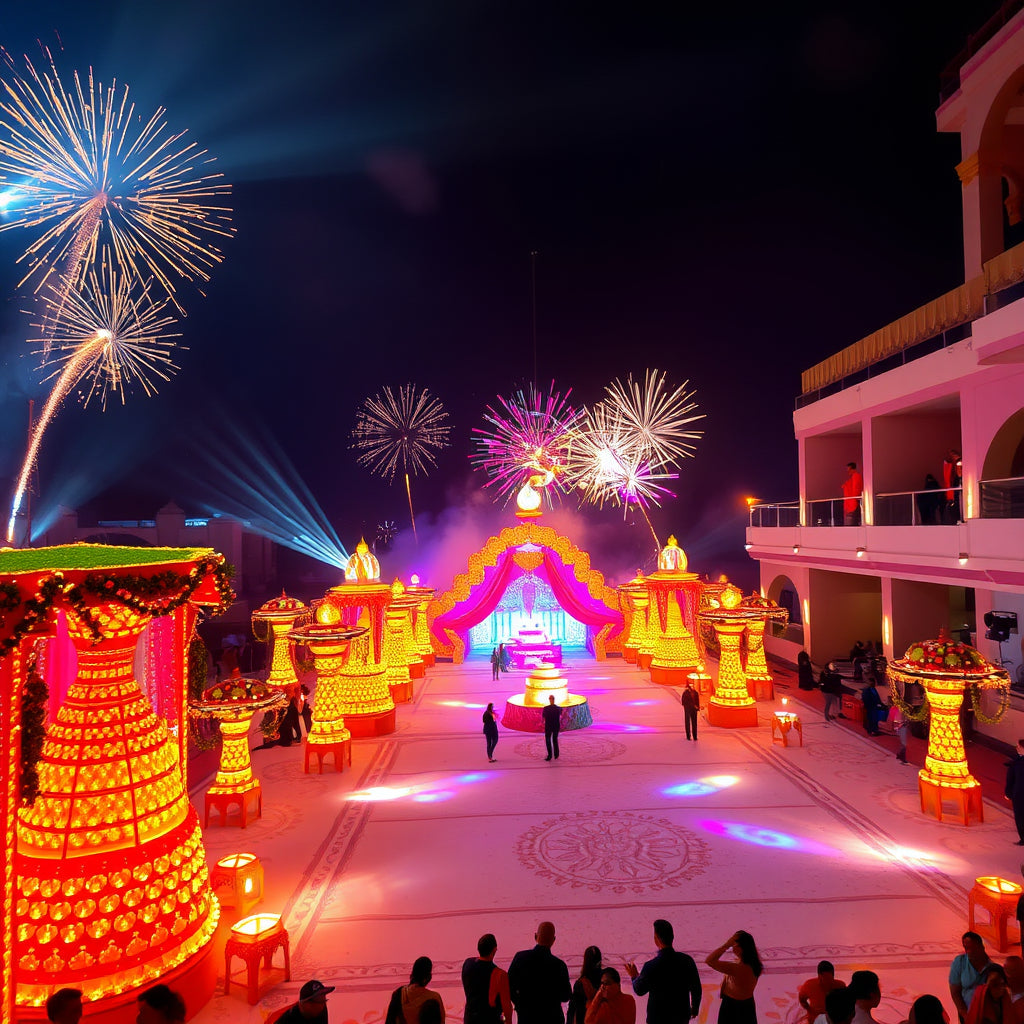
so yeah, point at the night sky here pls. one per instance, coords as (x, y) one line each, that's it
(730, 194)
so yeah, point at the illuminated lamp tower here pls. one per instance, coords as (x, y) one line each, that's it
(328, 640)
(110, 885)
(233, 702)
(421, 626)
(674, 595)
(280, 616)
(634, 602)
(944, 669)
(400, 656)
(366, 700)
(756, 666)
(731, 706)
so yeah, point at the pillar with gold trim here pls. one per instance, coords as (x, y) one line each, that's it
(365, 699)
(673, 594)
(731, 706)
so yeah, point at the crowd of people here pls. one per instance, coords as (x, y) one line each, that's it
(537, 985)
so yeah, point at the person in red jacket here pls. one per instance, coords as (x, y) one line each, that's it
(853, 488)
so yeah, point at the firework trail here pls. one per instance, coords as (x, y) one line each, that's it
(401, 432)
(105, 339)
(81, 167)
(529, 435)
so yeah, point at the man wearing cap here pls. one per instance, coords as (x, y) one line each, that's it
(311, 1007)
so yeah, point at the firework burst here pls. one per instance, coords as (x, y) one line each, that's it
(84, 169)
(609, 464)
(106, 339)
(657, 417)
(528, 435)
(403, 431)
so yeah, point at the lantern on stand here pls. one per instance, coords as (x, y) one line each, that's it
(233, 702)
(763, 610)
(328, 642)
(948, 672)
(634, 602)
(731, 706)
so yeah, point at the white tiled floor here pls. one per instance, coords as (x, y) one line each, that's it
(421, 846)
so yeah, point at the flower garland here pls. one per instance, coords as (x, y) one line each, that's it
(908, 711)
(1004, 703)
(34, 696)
(154, 595)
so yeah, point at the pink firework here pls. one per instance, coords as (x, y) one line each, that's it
(529, 435)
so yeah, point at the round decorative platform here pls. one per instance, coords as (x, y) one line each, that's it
(525, 717)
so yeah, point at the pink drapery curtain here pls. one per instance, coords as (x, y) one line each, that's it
(483, 599)
(574, 597)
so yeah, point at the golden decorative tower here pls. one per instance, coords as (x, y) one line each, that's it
(280, 615)
(110, 871)
(673, 596)
(634, 603)
(400, 655)
(731, 706)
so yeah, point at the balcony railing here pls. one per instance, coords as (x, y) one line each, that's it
(918, 508)
(1000, 499)
(1003, 499)
(785, 514)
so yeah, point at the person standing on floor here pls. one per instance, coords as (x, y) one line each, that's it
(691, 705)
(504, 658)
(670, 981)
(490, 731)
(552, 715)
(832, 688)
(1014, 790)
(586, 986)
(740, 978)
(495, 663)
(853, 488)
(805, 671)
(901, 727)
(485, 985)
(539, 981)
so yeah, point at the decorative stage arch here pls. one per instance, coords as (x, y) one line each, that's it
(526, 549)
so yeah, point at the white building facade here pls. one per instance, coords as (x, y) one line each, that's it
(948, 377)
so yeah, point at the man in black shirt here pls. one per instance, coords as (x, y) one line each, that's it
(670, 980)
(539, 981)
(552, 716)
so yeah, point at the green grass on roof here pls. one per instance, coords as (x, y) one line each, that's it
(91, 556)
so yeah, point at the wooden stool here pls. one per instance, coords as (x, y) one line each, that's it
(782, 724)
(968, 801)
(999, 897)
(342, 751)
(222, 801)
(250, 952)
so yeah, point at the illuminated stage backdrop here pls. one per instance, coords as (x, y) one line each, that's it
(515, 551)
(108, 865)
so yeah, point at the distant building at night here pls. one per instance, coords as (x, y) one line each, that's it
(942, 384)
(253, 557)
